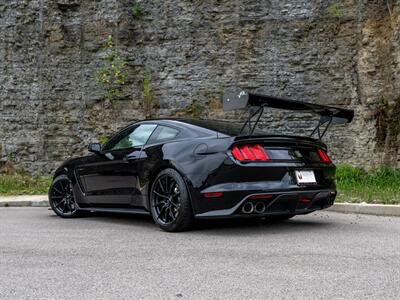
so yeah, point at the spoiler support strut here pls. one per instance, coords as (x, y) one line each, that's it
(260, 112)
(327, 121)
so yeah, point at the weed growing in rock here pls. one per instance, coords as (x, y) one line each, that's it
(150, 104)
(137, 11)
(103, 139)
(194, 110)
(113, 74)
(334, 11)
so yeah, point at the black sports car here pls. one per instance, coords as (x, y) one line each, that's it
(179, 170)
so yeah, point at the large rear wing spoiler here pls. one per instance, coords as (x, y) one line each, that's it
(328, 114)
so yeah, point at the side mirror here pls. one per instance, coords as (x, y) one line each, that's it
(95, 148)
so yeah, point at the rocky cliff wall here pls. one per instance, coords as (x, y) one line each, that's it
(343, 53)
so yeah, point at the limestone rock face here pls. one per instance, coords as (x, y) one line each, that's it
(345, 54)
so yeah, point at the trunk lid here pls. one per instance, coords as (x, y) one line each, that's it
(285, 148)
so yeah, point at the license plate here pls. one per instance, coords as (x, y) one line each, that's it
(305, 177)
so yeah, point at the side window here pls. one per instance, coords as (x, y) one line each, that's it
(167, 133)
(137, 137)
(163, 133)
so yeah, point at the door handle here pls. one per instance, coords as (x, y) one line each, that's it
(131, 157)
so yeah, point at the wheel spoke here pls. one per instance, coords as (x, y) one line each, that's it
(171, 213)
(162, 210)
(172, 187)
(167, 214)
(62, 186)
(159, 203)
(69, 206)
(166, 184)
(59, 203)
(174, 204)
(159, 184)
(57, 190)
(65, 204)
(176, 195)
(160, 195)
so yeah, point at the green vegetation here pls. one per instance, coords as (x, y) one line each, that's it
(149, 101)
(103, 139)
(194, 110)
(113, 74)
(19, 184)
(334, 11)
(137, 11)
(381, 185)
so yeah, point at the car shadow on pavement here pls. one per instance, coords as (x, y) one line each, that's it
(228, 226)
(257, 226)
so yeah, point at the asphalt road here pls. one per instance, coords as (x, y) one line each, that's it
(323, 255)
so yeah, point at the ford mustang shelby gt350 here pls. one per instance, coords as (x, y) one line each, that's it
(179, 170)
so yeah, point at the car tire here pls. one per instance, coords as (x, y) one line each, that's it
(170, 202)
(62, 199)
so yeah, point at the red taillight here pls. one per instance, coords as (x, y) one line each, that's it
(304, 199)
(323, 156)
(212, 194)
(249, 152)
(237, 154)
(259, 152)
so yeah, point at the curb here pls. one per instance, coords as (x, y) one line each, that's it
(24, 201)
(44, 203)
(367, 209)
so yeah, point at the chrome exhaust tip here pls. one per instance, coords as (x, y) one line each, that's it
(248, 208)
(259, 207)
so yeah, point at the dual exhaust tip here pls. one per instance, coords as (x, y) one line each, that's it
(249, 208)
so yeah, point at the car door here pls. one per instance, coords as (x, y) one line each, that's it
(112, 179)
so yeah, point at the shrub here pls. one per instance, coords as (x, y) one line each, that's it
(112, 75)
(149, 101)
(334, 11)
(137, 11)
(193, 110)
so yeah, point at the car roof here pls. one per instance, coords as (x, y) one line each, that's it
(190, 126)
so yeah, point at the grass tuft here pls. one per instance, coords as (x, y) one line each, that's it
(137, 11)
(24, 184)
(334, 11)
(381, 185)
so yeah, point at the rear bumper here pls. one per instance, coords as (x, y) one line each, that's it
(293, 202)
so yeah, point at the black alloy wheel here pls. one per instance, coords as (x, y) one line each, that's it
(167, 202)
(61, 197)
(170, 203)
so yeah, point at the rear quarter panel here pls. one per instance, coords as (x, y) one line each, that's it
(194, 159)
